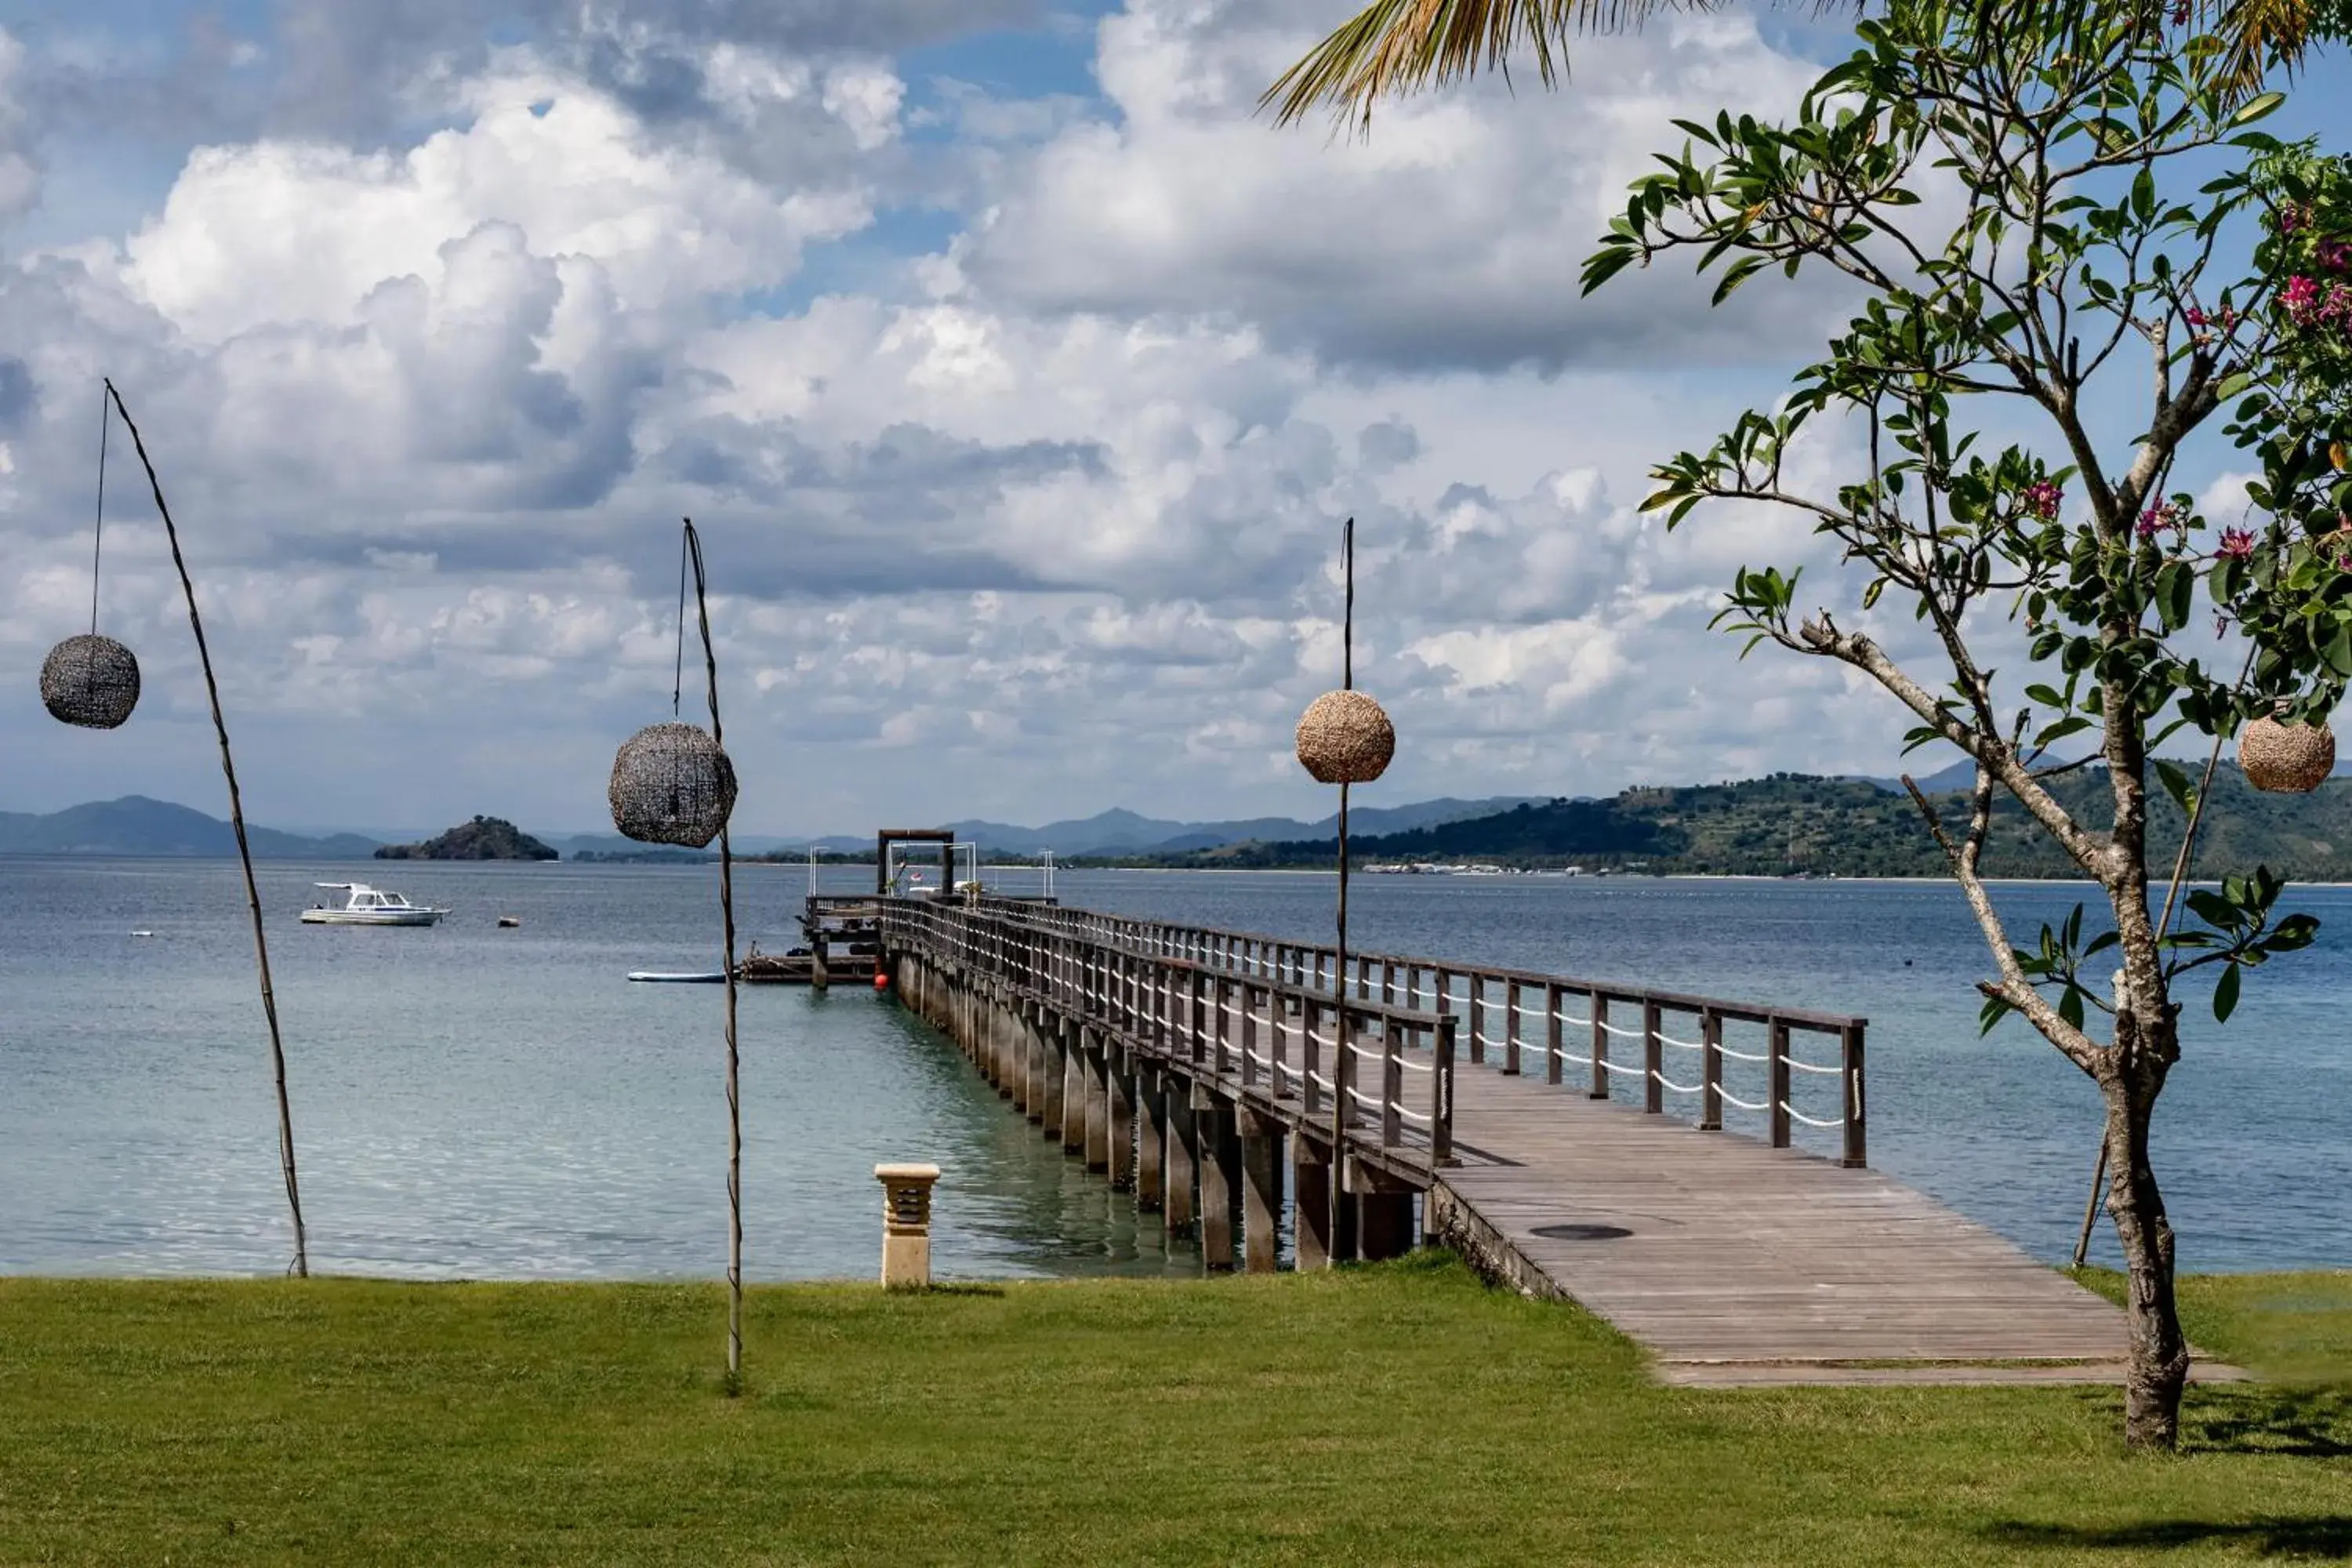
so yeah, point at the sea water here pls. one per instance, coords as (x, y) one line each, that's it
(473, 1101)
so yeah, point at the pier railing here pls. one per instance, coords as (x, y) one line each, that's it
(1616, 1036)
(1264, 1039)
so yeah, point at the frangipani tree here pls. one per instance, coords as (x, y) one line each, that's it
(2112, 239)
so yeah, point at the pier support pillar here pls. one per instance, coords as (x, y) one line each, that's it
(1220, 1163)
(1033, 1061)
(1183, 1143)
(1310, 1185)
(1261, 1163)
(1012, 1080)
(1383, 1213)
(1074, 1090)
(1003, 1024)
(1122, 1120)
(1098, 1074)
(1052, 1066)
(1151, 1135)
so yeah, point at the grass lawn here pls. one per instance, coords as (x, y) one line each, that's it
(1398, 1414)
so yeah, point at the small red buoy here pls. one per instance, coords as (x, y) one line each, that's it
(881, 981)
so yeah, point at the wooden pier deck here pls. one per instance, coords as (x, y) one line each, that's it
(1739, 1263)
(1184, 1063)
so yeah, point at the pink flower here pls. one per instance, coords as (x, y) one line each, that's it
(2159, 517)
(2041, 498)
(2290, 218)
(2197, 318)
(2301, 298)
(2344, 562)
(2237, 543)
(2180, 13)
(2334, 254)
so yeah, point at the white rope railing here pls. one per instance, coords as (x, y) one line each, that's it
(1808, 1066)
(1740, 1056)
(1808, 1121)
(1413, 1116)
(1607, 1027)
(1667, 1039)
(1677, 1087)
(1731, 1098)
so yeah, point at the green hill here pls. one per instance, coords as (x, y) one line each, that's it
(1846, 827)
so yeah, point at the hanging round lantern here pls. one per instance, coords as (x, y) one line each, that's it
(1345, 738)
(90, 681)
(2287, 759)
(672, 785)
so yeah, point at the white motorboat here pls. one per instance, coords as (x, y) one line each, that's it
(371, 907)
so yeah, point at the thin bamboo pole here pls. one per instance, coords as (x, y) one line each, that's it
(1343, 1056)
(727, 925)
(302, 1264)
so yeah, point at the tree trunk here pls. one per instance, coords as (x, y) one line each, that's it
(2159, 1367)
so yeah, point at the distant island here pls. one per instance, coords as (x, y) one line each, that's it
(484, 839)
(1800, 825)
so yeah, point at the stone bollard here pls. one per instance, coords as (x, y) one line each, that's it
(905, 1224)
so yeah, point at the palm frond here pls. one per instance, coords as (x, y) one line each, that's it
(1394, 46)
(2257, 32)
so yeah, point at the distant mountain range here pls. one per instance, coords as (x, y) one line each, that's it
(1115, 833)
(1770, 827)
(138, 826)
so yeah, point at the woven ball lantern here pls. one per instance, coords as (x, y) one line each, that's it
(1345, 738)
(2286, 759)
(672, 785)
(90, 681)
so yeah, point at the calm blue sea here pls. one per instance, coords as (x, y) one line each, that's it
(471, 1101)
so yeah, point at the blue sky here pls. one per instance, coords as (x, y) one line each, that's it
(1017, 373)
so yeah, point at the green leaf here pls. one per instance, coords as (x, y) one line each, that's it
(2254, 108)
(1995, 1010)
(1740, 272)
(2070, 1006)
(2225, 993)
(2176, 782)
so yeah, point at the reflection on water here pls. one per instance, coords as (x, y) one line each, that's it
(473, 1101)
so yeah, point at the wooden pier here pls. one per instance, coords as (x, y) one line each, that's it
(1527, 1121)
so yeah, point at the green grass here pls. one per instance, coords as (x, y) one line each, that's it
(1401, 1414)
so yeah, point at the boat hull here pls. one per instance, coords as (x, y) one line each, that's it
(372, 917)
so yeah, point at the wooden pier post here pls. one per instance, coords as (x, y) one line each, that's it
(1122, 1119)
(1183, 1156)
(1777, 1111)
(1600, 1089)
(1150, 1139)
(1710, 1100)
(1220, 1172)
(1261, 1138)
(1654, 1061)
(1857, 1152)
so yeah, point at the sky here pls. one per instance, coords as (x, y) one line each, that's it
(1017, 373)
